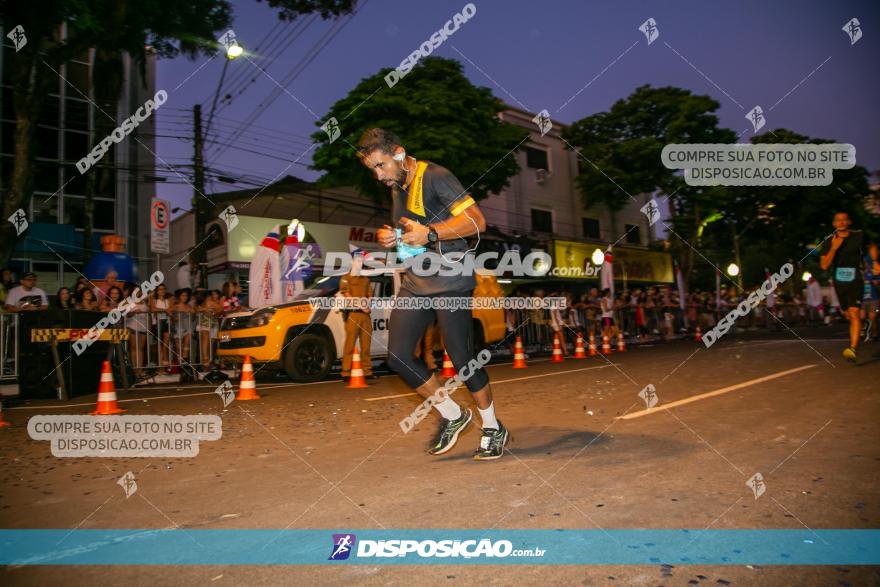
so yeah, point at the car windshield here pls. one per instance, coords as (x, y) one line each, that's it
(322, 286)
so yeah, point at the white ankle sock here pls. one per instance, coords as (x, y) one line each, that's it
(488, 417)
(449, 409)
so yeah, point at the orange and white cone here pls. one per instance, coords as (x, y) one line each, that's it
(557, 350)
(698, 335)
(448, 368)
(106, 393)
(579, 352)
(621, 344)
(247, 385)
(606, 344)
(593, 350)
(356, 379)
(519, 356)
(3, 423)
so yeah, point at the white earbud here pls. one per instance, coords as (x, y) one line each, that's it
(400, 156)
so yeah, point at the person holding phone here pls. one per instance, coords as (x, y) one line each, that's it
(433, 211)
(843, 255)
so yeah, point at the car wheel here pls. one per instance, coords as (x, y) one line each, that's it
(308, 358)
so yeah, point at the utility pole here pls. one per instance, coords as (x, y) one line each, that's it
(197, 255)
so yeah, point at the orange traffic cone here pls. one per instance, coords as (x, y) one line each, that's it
(579, 352)
(621, 344)
(357, 379)
(519, 357)
(557, 350)
(106, 393)
(247, 385)
(606, 345)
(3, 423)
(698, 335)
(448, 368)
(593, 351)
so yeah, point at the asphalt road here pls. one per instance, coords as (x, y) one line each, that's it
(585, 454)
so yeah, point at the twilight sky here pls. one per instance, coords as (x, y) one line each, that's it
(789, 57)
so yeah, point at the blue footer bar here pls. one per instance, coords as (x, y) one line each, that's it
(439, 546)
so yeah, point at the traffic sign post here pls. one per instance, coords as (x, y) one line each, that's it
(160, 220)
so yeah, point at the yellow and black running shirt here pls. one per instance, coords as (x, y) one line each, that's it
(435, 195)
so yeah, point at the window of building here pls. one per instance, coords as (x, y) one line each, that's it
(591, 227)
(633, 234)
(537, 158)
(542, 220)
(103, 215)
(45, 208)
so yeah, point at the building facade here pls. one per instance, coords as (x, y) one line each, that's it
(52, 247)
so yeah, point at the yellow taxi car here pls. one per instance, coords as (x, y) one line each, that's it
(306, 340)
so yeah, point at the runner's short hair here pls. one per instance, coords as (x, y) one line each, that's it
(377, 138)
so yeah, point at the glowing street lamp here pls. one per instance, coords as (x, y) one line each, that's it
(807, 276)
(234, 50)
(598, 257)
(733, 270)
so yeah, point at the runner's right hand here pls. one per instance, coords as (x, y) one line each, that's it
(386, 236)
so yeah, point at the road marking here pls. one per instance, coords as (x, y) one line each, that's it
(149, 398)
(723, 390)
(374, 399)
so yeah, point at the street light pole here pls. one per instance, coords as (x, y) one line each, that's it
(198, 194)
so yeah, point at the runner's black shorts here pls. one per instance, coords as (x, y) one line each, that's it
(406, 327)
(849, 293)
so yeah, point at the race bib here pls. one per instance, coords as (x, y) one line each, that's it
(845, 274)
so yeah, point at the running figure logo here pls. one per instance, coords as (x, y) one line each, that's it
(650, 30)
(853, 28)
(757, 485)
(342, 546)
(229, 217)
(19, 221)
(649, 395)
(652, 211)
(128, 484)
(225, 392)
(756, 117)
(331, 127)
(542, 119)
(19, 39)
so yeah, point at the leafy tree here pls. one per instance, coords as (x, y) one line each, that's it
(112, 27)
(620, 150)
(438, 115)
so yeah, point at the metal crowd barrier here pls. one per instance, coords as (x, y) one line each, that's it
(8, 346)
(172, 340)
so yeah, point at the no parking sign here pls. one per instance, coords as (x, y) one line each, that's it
(160, 218)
